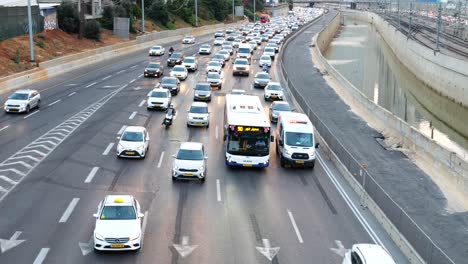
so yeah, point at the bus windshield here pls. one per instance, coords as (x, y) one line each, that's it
(249, 143)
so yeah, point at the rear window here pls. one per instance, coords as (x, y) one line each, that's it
(241, 62)
(199, 109)
(243, 50)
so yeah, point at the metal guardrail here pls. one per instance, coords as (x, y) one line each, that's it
(418, 239)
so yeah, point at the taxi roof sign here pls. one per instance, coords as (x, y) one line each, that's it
(118, 200)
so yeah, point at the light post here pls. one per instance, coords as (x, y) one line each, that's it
(196, 13)
(254, 9)
(142, 16)
(233, 15)
(31, 46)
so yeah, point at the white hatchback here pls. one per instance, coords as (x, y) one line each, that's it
(22, 101)
(273, 91)
(133, 143)
(190, 162)
(180, 72)
(198, 115)
(159, 98)
(157, 51)
(188, 40)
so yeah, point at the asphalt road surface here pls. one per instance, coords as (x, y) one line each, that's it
(47, 195)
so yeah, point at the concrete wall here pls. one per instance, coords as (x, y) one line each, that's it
(277, 10)
(411, 138)
(445, 74)
(68, 63)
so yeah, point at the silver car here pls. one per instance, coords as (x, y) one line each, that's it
(22, 101)
(190, 162)
(276, 108)
(202, 92)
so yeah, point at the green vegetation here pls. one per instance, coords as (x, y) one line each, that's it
(92, 30)
(67, 16)
(16, 58)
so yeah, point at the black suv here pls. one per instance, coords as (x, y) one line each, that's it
(176, 59)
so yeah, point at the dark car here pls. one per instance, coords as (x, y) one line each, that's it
(170, 83)
(261, 79)
(154, 69)
(219, 34)
(176, 59)
(220, 58)
(276, 108)
(202, 92)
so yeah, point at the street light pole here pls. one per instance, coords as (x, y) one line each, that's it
(254, 9)
(31, 46)
(142, 16)
(196, 13)
(233, 15)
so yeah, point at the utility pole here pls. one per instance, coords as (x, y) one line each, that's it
(254, 9)
(31, 46)
(439, 24)
(399, 23)
(142, 16)
(233, 14)
(410, 18)
(196, 13)
(82, 19)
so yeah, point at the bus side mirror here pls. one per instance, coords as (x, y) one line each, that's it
(225, 137)
(317, 145)
(272, 138)
(280, 142)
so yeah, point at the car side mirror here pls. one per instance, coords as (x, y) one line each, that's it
(206, 157)
(174, 156)
(118, 138)
(140, 215)
(95, 215)
(317, 145)
(272, 138)
(225, 137)
(280, 142)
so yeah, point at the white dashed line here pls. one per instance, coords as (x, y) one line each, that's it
(41, 256)
(5, 127)
(71, 94)
(69, 210)
(298, 234)
(121, 130)
(91, 175)
(119, 72)
(218, 190)
(216, 132)
(91, 84)
(142, 103)
(161, 159)
(54, 102)
(108, 149)
(134, 66)
(141, 75)
(132, 115)
(219, 100)
(186, 91)
(132, 81)
(107, 77)
(31, 114)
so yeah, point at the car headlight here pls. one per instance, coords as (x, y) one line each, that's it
(201, 168)
(146, 70)
(120, 147)
(274, 114)
(169, 60)
(134, 236)
(175, 167)
(98, 237)
(287, 152)
(205, 118)
(141, 148)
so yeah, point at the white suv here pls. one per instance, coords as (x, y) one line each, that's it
(198, 115)
(241, 67)
(190, 162)
(159, 98)
(22, 101)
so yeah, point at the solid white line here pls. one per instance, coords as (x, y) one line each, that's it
(349, 202)
(15, 235)
(109, 147)
(142, 103)
(121, 130)
(161, 159)
(41, 256)
(143, 228)
(54, 102)
(71, 94)
(69, 210)
(132, 81)
(91, 84)
(132, 115)
(107, 77)
(119, 72)
(91, 175)
(31, 114)
(218, 190)
(298, 234)
(5, 127)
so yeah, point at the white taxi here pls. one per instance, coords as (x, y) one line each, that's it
(118, 224)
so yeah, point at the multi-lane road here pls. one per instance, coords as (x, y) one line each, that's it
(58, 162)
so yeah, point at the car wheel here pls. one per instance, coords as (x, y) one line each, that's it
(202, 180)
(27, 109)
(208, 125)
(174, 179)
(282, 163)
(276, 149)
(38, 104)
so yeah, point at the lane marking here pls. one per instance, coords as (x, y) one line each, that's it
(107, 77)
(132, 81)
(41, 256)
(161, 159)
(71, 94)
(218, 190)
(296, 229)
(31, 114)
(91, 175)
(187, 91)
(108, 149)
(141, 75)
(5, 127)
(119, 72)
(216, 132)
(91, 84)
(142, 103)
(219, 100)
(134, 66)
(121, 130)
(132, 115)
(54, 102)
(143, 229)
(69, 210)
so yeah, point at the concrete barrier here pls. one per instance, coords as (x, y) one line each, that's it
(68, 63)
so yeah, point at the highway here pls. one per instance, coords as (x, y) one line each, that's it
(53, 184)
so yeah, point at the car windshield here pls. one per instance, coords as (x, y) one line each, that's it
(269, 49)
(156, 47)
(19, 96)
(213, 76)
(275, 87)
(169, 80)
(158, 94)
(299, 139)
(218, 56)
(189, 60)
(176, 56)
(118, 212)
(205, 46)
(241, 62)
(219, 38)
(199, 109)
(281, 107)
(132, 136)
(243, 50)
(189, 154)
(203, 87)
(263, 76)
(223, 52)
(213, 63)
(267, 58)
(152, 66)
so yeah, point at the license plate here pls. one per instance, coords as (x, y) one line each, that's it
(157, 106)
(130, 152)
(188, 174)
(274, 96)
(14, 108)
(247, 165)
(117, 246)
(202, 96)
(299, 161)
(198, 123)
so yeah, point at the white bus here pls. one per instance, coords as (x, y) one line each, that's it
(246, 132)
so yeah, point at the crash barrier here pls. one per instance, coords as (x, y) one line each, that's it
(404, 231)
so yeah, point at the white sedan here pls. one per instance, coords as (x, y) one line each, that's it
(180, 72)
(133, 143)
(118, 224)
(204, 49)
(214, 66)
(219, 41)
(188, 40)
(157, 51)
(265, 60)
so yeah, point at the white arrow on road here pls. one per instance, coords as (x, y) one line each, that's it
(6, 244)
(137, 88)
(267, 250)
(87, 247)
(340, 250)
(185, 249)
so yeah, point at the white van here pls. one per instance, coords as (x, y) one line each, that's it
(295, 140)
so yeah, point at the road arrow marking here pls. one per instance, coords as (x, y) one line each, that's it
(137, 88)
(86, 248)
(340, 250)
(6, 244)
(267, 250)
(184, 249)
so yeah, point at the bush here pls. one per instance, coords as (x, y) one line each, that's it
(16, 58)
(40, 44)
(92, 30)
(158, 11)
(107, 19)
(67, 16)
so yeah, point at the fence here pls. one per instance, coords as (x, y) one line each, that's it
(14, 21)
(418, 239)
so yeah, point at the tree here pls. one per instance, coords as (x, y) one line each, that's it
(158, 11)
(67, 16)
(92, 30)
(107, 19)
